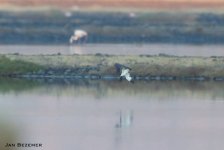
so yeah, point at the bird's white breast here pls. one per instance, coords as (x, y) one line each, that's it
(80, 33)
(128, 77)
(124, 72)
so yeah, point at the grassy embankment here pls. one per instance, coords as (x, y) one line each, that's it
(141, 65)
(8, 66)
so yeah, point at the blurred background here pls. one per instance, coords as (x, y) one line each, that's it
(112, 21)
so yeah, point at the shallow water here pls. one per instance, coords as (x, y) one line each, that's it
(117, 49)
(82, 114)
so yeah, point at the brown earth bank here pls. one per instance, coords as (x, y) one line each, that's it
(117, 3)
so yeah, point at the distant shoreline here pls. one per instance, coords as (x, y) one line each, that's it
(56, 26)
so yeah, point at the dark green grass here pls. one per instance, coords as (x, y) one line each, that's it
(8, 66)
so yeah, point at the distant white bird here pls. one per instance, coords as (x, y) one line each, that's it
(78, 36)
(132, 15)
(124, 72)
(68, 14)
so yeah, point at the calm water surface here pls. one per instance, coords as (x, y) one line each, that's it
(117, 49)
(82, 114)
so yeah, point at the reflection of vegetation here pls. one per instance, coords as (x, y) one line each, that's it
(8, 66)
(171, 89)
(17, 85)
(103, 89)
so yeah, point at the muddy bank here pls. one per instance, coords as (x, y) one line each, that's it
(98, 66)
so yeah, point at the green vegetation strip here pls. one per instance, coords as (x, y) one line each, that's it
(141, 65)
(8, 66)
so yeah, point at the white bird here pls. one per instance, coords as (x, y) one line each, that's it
(68, 14)
(78, 36)
(124, 72)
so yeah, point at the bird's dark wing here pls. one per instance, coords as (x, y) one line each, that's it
(119, 67)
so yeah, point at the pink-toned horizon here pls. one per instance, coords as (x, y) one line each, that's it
(119, 3)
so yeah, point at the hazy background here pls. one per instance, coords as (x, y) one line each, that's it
(112, 21)
(118, 3)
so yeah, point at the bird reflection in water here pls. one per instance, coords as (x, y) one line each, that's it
(75, 49)
(125, 119)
